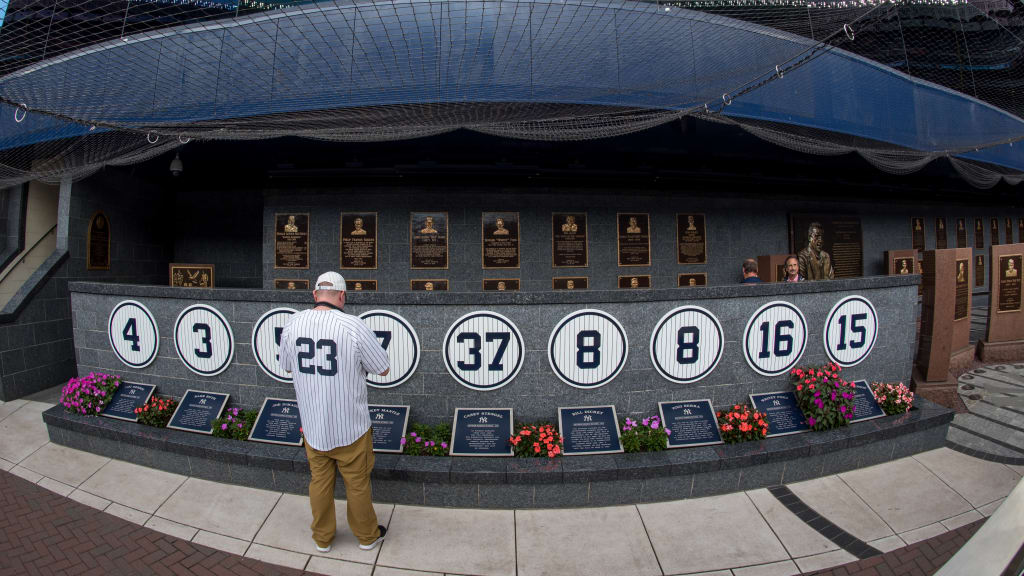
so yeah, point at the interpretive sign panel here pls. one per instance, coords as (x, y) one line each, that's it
(687, 280)
(1009, 283)
(775, 338)
(431, 285)
(428, 240)
(127, 398)
(197, 411)
(483, 350)
(691, 239)
(865, 406)
(634, 239)
(203, 339)
(499, 239)
(97, 251)
(266, 342)
(642, 281)
(398, 338)
(278, 423)
(361, 285)
(589, 430)
(388, 424)
(359, 240)
(840, 240)
(501, 284)
(963, 291)
(191, 275)
(588, 348)
(782, 412)
(291, 284)
(133, 334)
(917, 233)
(569, 240)
(940, 234)
(687, 344)
(693, 423)
(961, 233)
(570, 283)
(291, 241)
(481, 432)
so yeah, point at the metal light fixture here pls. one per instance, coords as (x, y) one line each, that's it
(176, 165)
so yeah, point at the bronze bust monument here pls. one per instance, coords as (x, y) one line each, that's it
(815, 263)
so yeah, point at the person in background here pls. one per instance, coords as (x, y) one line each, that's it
(793, 270)
(750, 271)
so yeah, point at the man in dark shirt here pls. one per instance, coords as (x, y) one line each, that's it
(750, 271)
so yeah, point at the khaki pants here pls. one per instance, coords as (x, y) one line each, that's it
(355, 462)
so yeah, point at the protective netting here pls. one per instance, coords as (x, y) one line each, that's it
(89, 83)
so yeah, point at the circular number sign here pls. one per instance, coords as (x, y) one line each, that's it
(204, 340)
(850, 331)
(775, 338)
(588, 349)
(133, 334)
(397, 336)
(483, 350)
(266, 342)
(687, 344)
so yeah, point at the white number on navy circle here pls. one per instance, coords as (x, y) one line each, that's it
(588, 349)
(686, 344)
(398, 338)
(483, 350)
(266, 342)
(133, 334)
(204, 340)
(775, 338)
(850, 331)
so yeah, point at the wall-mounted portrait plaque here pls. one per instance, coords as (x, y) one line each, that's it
(782, 412)
(388, 424)
(687, 280)
(917, 233)
(291, 241)
(431, 285)
(589, 430)
(961, 233)
(1020, 230)
(979, 270)
(481, 432)
(359, 240)
(693, 423)
(865, 407)
(97, 252)
(361, 285)
(994, 229)
(501, 284)
(197, 411)
(428, 240)
(640, 281)
(634, 239)
(291, 284)
(940, 234)
(499, 239)
(127, 398)
(278, 423)
(1009, 230)
(963, 290)
(191, 275)
(1009, 283)
(569, 240)
(841, 239)
(979, 234)
(902, 265)
(570, 283)
(691, 239)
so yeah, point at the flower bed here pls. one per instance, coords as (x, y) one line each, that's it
(893, 398)
(647, 435)
(89, 394)
(741, 424)
(823, 396)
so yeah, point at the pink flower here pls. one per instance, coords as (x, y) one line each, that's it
(654, 424)
(444, 445)
(224, 426)
(402, 442)
(668, 432)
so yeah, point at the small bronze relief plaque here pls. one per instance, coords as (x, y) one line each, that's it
(780, 272)
(643, 281)
(903, 265)
(500, 239)
(917, 233)
(994, 227)
(979, 234)
(687, 280)
(1009, 283)
(290, 284)
(963, 290)
(570, 283)
(291, 241)
(428, 240)
(191, 275)
(979, 270)
(961, 233)
(1009, 230)
(940, 234)
(437, 285)
(569, 240)
(501, 284)
(359, 240)
(361, 285)
(97, 252)
(691, 239)
(634, 239)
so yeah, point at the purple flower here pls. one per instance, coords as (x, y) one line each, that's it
(418, 440)
(667, 431)
(654, 425)
(413, 434)
(646, 421)
(811, 421)
(224, 426)
(239, 424)
(444, 445)
(402, 441)
(842, 409)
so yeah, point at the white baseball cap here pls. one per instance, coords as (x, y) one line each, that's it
(330, 281)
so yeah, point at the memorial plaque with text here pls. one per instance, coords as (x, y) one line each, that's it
(499, 239)
(917, 233)
(841, 239)
(940, 234)
(291, 241)
(481, 432)
(428, 240)
(994, 229)
(687, 280)
(278, 423)
(388, 424)
(643, 281)
(693, 423)
(570, 283)
(191, 275)
(361, 285)
(569, 240)
(127, 398)
(634, 239)
(1009, 230)
(501, 284)
(435, 285)
(290, 284)
(961, 233)
(1009, 283)
(963, 290)
(979, 233)
(359, 240)
(97, 251)
(979, 270)
(691, 239)
(903, 265)
(589, 430)
(197, 411)
(783, 413)
(865, 407)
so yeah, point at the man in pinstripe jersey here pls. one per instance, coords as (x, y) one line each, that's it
(329, 354)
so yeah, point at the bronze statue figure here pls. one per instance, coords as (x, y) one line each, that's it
(815, 263)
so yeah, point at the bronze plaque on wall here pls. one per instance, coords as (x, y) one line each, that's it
(979, 233)
(994, 225)
(291, 241)
(1020, 230)
(917, 233)
(361, 285)
(963, 290)
(569, 240)
(979, 270)
(428, 240)
(961, 233)
(903, 265)
(687, 280)
(841, 240)
(97, 251)
(1009, 283)
(191, 275)
(359, 240)
(634, 239)
(501, 284)
(1009, 230)
(499, 239)
(635, 281)
(570, 283)
(940, 233)
(289, 284)
(437, 285)
(691, 239)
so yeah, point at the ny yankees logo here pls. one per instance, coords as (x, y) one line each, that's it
(588, 418)
(380, 416)
(483, 419)
(285, 410)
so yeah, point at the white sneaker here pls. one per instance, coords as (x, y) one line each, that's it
(322, 549)
(379, 539)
